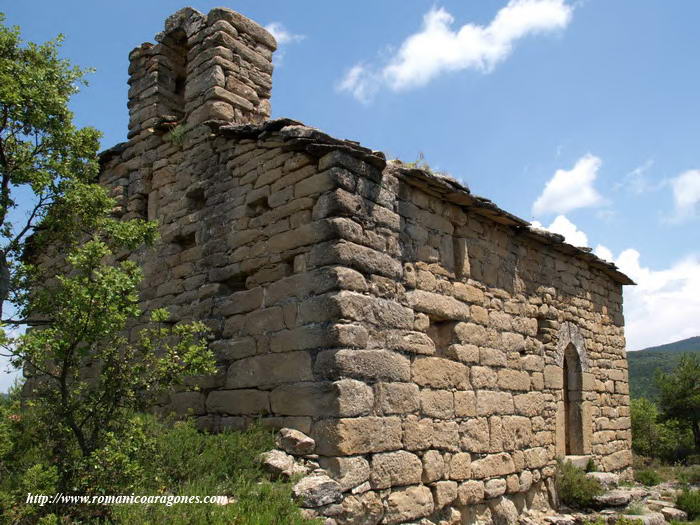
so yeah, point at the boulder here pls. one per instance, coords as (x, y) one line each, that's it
(295, 442)
(317, 490)
(278, 464)
(607, 479)
(614, 498)
(674, 514)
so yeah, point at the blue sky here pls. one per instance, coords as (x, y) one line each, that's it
(589, 109)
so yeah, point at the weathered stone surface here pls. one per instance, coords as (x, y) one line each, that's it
(437, 404)
(492, 465)
(366, 509)
(614, 498)
(607, 479)
(373, 365)
(408, 504)
(504, 512)
(280, 464)
(436, 372)
(444, 493)
(295, 442)
(397, 398)
(460, 466)
(673, 514)
(360, 435)
(269, 369)
(494, 488)
(438, 306)
(433, 466)
(392, 469)
(349, 472)
(238, 402)
(471, 492)
(316, 491)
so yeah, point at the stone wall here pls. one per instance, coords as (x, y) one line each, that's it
(440, 351)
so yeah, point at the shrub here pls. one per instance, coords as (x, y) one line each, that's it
(689, 501)
(591, 466)
(574, 488)
(647, 477)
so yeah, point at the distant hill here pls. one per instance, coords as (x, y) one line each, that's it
(644, 363)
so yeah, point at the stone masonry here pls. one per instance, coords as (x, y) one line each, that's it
(440, 351)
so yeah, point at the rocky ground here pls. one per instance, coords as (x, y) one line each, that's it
(322, 496)
(648, 505)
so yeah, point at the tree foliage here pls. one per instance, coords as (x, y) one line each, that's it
(680, 395)
(43, 155)
(95, 357)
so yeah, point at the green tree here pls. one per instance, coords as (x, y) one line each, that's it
(645, 432)
(680, 395)
(43, 156)
(654, 438)
(66, 269)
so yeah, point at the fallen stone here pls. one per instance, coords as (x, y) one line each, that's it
(614, 498)
(607, 479)
(656, 504)
(317, 491)
(295, 442)
(674, 514)
(277, 463)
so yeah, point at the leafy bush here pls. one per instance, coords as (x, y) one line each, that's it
(647, 477)
(574, 488)
(591, 466)
(689, 501)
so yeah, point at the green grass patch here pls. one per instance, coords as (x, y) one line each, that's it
(689, 501)
(647, 477)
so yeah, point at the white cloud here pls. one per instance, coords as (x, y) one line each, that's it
(638, 181)
(604, 253)
(572, 189)
(686, 195)
(282, 35)
(360, 83)
(565, 227)
(437, 48)
(665, 304)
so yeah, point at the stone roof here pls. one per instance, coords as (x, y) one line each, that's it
(299, 137)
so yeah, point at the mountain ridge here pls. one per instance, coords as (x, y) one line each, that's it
(644, 363)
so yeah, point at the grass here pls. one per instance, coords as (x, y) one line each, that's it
(689, 502)
(221, 464)
(647, 477)
(636, 509)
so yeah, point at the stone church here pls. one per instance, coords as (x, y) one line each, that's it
(440, 351)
